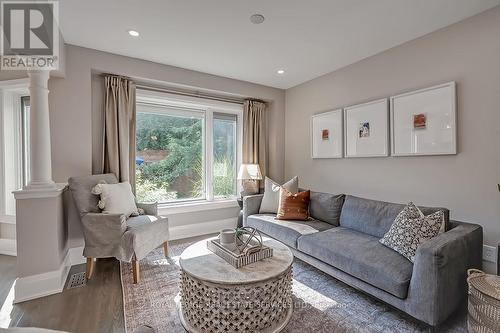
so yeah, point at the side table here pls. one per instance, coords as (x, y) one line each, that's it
(216, 297)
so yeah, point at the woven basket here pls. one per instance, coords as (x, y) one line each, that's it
(484, 302)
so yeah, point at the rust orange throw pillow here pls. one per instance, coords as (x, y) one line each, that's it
(293, 206)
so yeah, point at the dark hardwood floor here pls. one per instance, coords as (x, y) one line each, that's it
(96, 307)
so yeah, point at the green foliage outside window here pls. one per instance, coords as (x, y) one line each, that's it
(178, 172)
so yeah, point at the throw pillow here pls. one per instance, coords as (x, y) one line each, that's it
(410, 229)
(326, 207)
(116, 198)
(271, 197)
(293, 206)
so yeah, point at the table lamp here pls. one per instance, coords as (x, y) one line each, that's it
(249, 174)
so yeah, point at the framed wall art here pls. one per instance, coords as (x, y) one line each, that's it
(327, 135)
(367, 129)
(423, 122)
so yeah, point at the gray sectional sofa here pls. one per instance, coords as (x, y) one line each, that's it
(343, 241)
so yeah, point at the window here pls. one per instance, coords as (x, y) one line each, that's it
(170, 154)
(186, 150)
(14, 133)
(224, 155)
(25, 138)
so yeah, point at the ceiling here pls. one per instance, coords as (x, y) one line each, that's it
(306, 38)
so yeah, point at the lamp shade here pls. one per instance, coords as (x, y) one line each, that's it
(249, 171)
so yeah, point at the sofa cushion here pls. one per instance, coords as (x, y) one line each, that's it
(145, 233)
(285, 231)
(374, 217)
(361, 256)
(81, 189)
(326, 207)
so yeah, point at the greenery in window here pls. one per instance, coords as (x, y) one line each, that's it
(224, 168)
(169, 163)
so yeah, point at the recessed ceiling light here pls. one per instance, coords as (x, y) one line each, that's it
(133, 33)
(257, 18)
(280, 71)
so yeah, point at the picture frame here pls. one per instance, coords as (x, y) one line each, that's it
(423, 122)
(327, 135)
(366, 129)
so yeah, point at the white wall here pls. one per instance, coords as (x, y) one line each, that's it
(468, 53)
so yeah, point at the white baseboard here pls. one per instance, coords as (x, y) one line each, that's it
(40, 285)
(8, 247)
(76, 256)
(199, 229)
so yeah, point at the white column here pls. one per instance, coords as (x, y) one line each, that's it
(42, 262)
(40, 151)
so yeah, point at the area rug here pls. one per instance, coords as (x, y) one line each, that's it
(321, 303)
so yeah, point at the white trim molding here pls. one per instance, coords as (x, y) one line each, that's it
(40, 285)
(76, 255)
(199, 229)
(189, 207)
(40, 193)
(8, 247)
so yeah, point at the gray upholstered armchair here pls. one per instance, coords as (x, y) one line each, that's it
(114, 235)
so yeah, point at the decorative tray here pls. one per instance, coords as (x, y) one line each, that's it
(239, 258)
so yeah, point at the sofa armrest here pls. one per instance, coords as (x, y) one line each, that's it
(438, 283)
(251, 205)
(103, 230)
(149, 208)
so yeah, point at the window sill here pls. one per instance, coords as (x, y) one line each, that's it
(170, 209)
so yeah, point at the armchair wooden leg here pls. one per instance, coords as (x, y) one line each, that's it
(90, 268)
(135, 270)
(165, 249)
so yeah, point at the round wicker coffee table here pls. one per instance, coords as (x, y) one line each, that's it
(217, 297)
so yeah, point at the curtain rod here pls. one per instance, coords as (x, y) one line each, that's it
(188, 93)
(191, 94)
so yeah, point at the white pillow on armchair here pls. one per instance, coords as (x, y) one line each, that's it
(116, 199)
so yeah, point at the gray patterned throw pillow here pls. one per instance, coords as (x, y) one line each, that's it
(410, 229)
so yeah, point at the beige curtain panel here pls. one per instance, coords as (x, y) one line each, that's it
(254, 135)
(119, 128)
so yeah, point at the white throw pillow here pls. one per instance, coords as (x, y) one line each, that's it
(270, 201)
(116, 198)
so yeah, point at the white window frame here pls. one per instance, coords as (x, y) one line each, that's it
(11, 92)
(208, 108)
